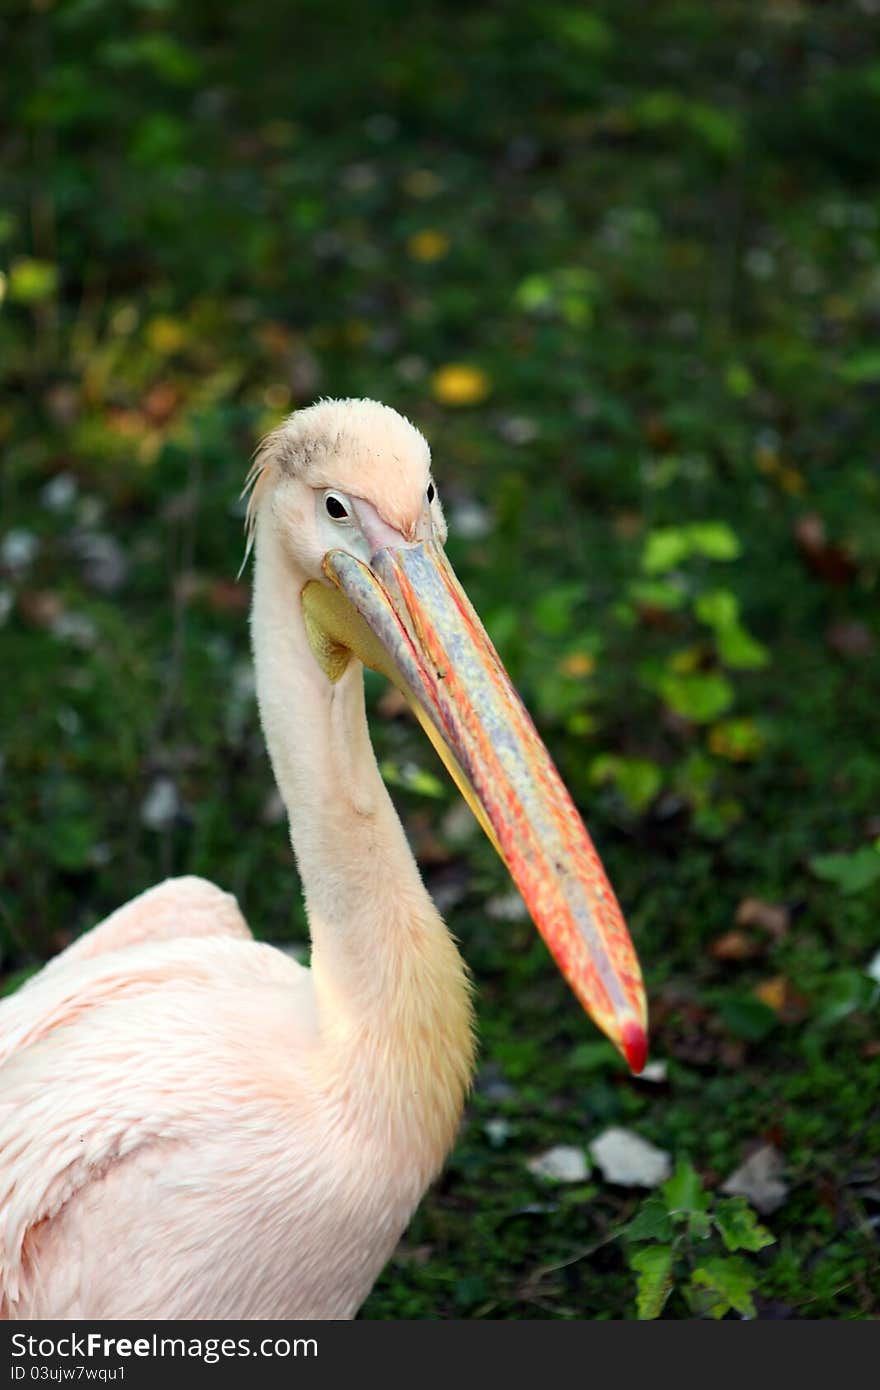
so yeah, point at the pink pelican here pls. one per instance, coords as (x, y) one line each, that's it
(192, 1125)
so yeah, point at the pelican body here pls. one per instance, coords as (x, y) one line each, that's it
(192, 1125)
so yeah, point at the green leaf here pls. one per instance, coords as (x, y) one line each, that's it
(412, 779)
(717, 607)
(845, 991)
(683, 1192)
(579, 1196)
(653, 1268)
(588, 33)
(740, 1228)
(664, 549)
(719, 131)
(651, 1222)
(637, 779)
(739, 650)
(699, 1225)
(470, 1291)
(700, 696)
(552, 611)
(852, 873)
(568, 291)
(31, 281)
(739, 380)
(720, 1285)
(862, 368)
(658, 593)
(596, 1056)
(714, 539)
(746, 1017)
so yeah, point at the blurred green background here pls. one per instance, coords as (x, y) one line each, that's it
(621, 263)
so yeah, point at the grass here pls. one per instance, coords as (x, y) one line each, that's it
(647, 238)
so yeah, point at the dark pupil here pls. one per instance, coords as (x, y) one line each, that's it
(430, 492)
(335, 508)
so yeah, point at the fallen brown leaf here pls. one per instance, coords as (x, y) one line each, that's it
(829, 561)
(40, 607)
(658, 433)
(659, 619)
(734, 946)
(759, 1179)
(849, 638)
(772, 918)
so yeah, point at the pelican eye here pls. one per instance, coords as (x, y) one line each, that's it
(335, 507)
(431, 493)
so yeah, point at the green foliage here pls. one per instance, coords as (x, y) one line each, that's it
(719, 132)
(739, 1227)
(698, 695)
(862, 368)
(746, 1017)
(719, 608)
(31, 281)
(669, 546)
(720, 1286)
(569, 291)
(653, 1268)
(412, 778)
(637, 779)
(675, 1233)
(654, 240)
(851, 873)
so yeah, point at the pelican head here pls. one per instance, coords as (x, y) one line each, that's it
(356, 506)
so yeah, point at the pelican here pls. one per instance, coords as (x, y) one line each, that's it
(193, 1125)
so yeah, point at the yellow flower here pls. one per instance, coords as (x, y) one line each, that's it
(460, 384)
(578, 664)
(773, 993)
(166, 335)
(428, 245)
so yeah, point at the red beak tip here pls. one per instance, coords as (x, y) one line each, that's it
(634, 1046)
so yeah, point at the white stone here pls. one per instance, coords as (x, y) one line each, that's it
(18, 550)
(630, 1161)
(161, 805)
(564, 1163)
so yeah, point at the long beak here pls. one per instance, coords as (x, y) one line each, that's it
(413, 622)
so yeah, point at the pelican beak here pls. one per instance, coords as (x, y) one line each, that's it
(407, 616)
